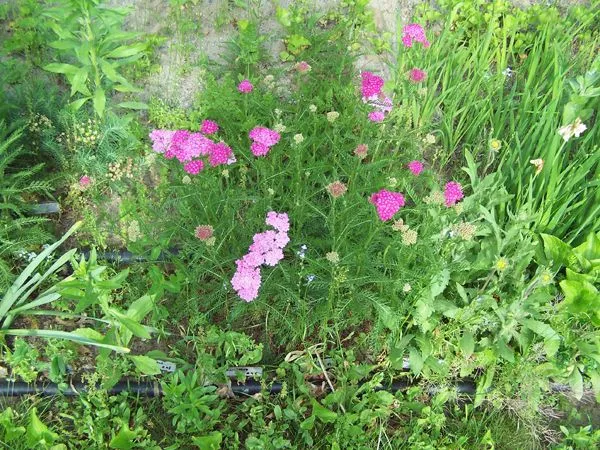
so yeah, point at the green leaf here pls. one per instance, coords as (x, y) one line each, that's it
(210, 442)
(99, 101)
(322, 413)
(581, 297)
(61, 68)
(78, 82)
(551, 337)
(415, 360)
(77, 104)
(146, 365)
(124, 51)
(595, 379)
(576, 383)
(467, 343)
(439, 282)
(505, 351)
(115, 282)
(38, 434)
(124, 439)
(76, 336)
(136, 328)
(557, 251)
(133, 105)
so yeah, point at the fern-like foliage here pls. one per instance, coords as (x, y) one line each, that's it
(18, 183)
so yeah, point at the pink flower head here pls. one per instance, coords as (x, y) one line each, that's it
(204, 232)
(371, 85)
(267, 248)
(246, 280)
(387, 203)
(161, 140)
(303, 67)
(416, 167)
(209, 127)
(259, 149)
(195, 145)
(194, 167)
(221, 154)
(376, 116)
(179, 146)
(417, 75)
(279, 221)
(85, 181)
(453, 193)
(245, 87)
(414, 33)
(361, 151)
(264, 136)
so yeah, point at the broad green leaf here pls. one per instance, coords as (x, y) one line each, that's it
(439, 282)
(595, 379)
(210, 442)
(124, 439)
(78, 82)
(505, 351)
(322, 413)
(63, 44)
(415, 360)
(140, 307)
(467, 343)
(557, 251)
(126, 88)
(146, 365)
(125, 51)
(136, 328)
(133, 105)
(77, 104)
(74, 336)
(99, 101)
(580, 297)
(38, 433)
(115, 282)
(576, 383)
(551, 337)
(61, 68)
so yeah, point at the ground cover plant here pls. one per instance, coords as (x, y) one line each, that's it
(380, 239)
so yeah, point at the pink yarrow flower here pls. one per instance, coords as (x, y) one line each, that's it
(84, 182)
(453, 193)
(245, 87)
(204, 232)
(376, 116)
(194, 167)
(387, 203)
(161, 140)
(267, 248)
(414, 33)
(416, 167)
(209, 127)
(371, 85)
(263, 139)
(221, 154)
(417, 75)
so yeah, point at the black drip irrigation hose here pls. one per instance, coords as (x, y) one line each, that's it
(153, 389)
(125, 257)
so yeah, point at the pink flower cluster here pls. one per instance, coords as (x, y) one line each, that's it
(417, 75)
(245, 87)
(188, 147)
(267, 248)
(371, 89)
(453, 193)
(414, 33)
(262, 140)
(387, 203)
(371, 85)
(209, 127)
(416, 167)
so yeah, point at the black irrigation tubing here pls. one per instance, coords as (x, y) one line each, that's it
(153, 389)
(125, 257)
(44, 208)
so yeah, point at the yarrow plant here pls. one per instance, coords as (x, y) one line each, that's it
(416, 167)
(387, 203)
(245, 87)
(267, 248)
(452, 193)
(262, 140)
(209, 127)
(189, 147)
(412, 33)
(417, 75)
(371, 90)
